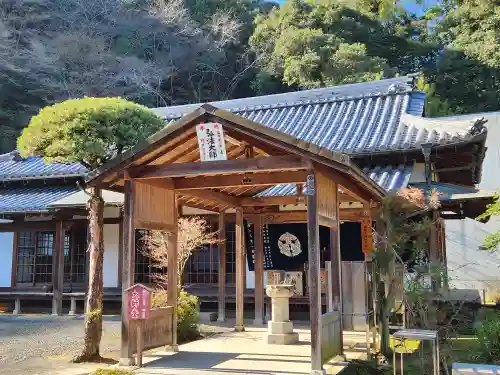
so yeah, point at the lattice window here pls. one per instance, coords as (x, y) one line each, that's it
(75, 256)
(144, 269)
(25, 257)
(79, 256)
(203, 265)
(230, 254)
(43, 258)
(35, 251)
(34, 257)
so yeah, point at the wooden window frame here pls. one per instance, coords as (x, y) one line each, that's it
(75, 235)
(34, 285)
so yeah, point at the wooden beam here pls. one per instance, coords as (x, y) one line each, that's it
(283, 201)
(263, 164)
(213, 196)
(128, 271)
(240, 271)
(285, 217)
(259, 270)
(222, 269)
(459, 168)
(272, 201)
(35, 226)
(257, 179)
(187, 202)
(327, 221)
(314, 275)
(47, 226)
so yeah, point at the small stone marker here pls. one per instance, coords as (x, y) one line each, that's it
(139, 308)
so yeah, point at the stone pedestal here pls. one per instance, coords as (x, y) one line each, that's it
(280, 328)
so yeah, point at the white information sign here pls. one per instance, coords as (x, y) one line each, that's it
(211, 142)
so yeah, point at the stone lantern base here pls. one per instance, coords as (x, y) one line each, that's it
(280, 328)
(281, 333)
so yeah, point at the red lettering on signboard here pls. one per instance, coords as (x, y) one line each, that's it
(138, 302)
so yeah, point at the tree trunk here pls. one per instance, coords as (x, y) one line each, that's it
(385, 303)
(385, 335)
(93, 307)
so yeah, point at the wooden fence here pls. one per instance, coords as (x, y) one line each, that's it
(157, 330)
(330, 335)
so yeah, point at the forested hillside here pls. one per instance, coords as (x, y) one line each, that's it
(162, 52)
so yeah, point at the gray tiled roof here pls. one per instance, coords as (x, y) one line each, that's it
(32, 199)
(391, 178)
(14, 167)
(354, 119)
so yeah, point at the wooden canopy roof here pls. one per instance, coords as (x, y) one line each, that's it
(258, 157)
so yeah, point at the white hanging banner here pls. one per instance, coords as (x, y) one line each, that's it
(211, 142)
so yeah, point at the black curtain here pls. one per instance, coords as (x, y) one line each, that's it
(286, 245)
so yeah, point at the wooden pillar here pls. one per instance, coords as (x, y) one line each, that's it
(336, 260)
(434, 255)
(240, 271)
(58, 269)
(444, 258)
(173, 278)
(337, 268)
(314, 275)
(120, 251)
(259, 271)
(222, 269)
(128, 270)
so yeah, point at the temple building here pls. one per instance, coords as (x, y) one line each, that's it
(376, 132)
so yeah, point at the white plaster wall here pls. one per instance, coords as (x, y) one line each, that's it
(6, 252)
(469, 267)
(250, 278)
(111, 249)
(111, 211)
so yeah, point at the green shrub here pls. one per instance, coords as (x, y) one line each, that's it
(488, 340)
(188, 315)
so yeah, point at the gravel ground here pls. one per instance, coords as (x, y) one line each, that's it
(42, 344)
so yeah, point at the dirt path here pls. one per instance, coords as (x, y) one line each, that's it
(42, 344)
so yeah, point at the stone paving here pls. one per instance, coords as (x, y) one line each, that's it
(245, 353)
(42, 344)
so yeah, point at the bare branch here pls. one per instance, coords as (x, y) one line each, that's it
(194, 233)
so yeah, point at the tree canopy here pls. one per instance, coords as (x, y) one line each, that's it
(167, 52)
(89, 130)
(492, 240)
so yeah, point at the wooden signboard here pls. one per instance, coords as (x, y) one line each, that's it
(211, 142)
(367, 237)
(139, 308)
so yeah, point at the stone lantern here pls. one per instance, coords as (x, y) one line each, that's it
(280, 328)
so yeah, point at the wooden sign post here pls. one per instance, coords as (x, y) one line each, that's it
(139, 308)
